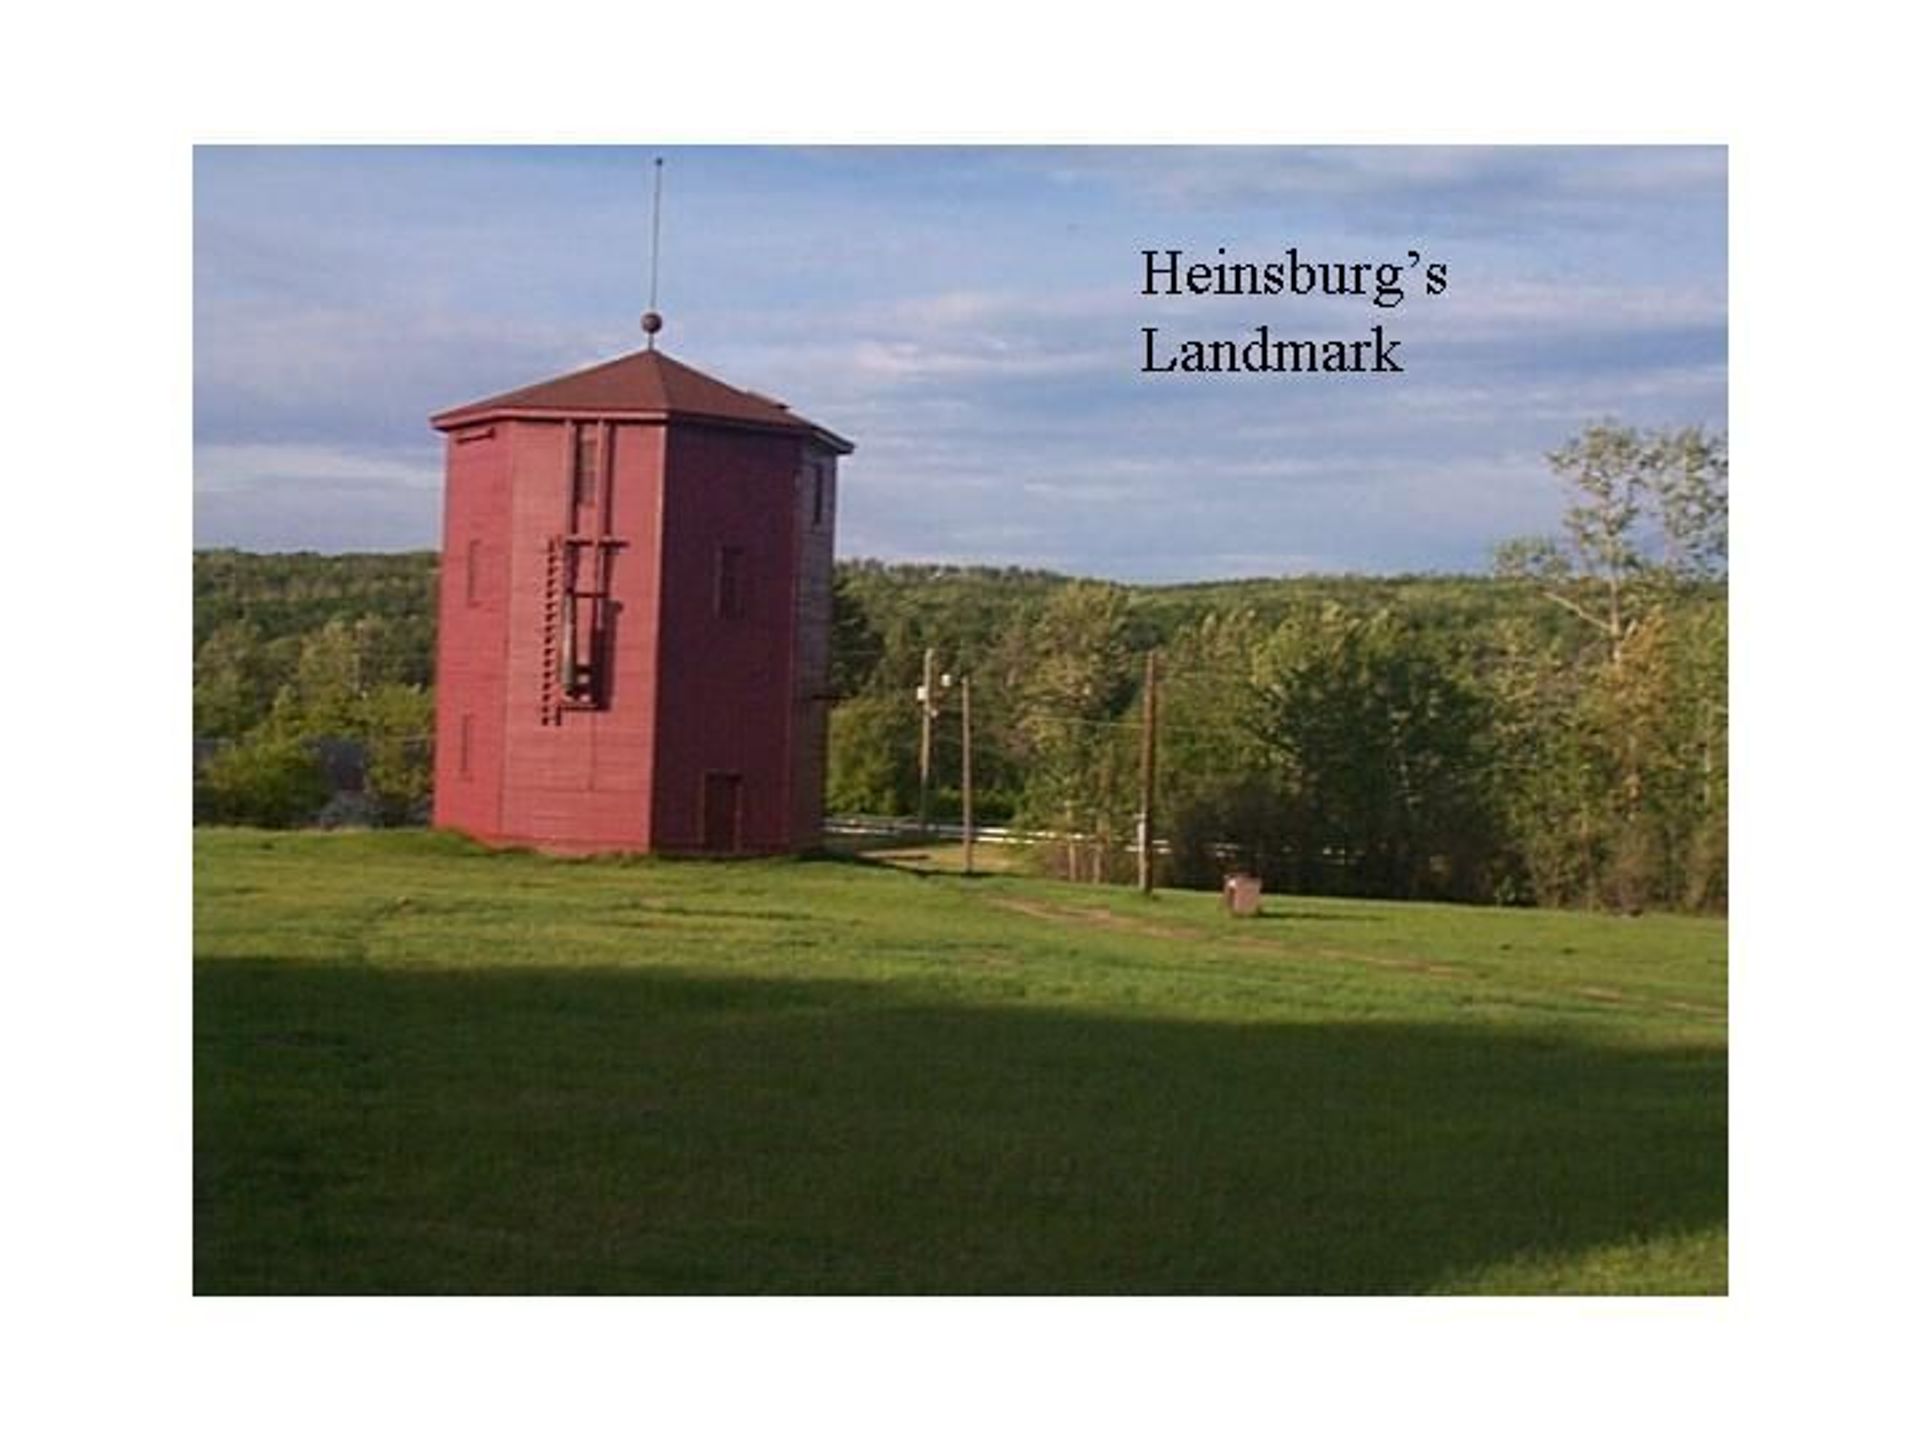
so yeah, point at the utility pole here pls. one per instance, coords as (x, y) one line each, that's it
(928, 709)
(926, 734)
(1148, 722)
(966, 774)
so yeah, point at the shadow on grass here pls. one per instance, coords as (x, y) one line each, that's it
(554, 1130)
(872, 857)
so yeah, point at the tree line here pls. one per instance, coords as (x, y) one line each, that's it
(1554, 732)
(292, 650)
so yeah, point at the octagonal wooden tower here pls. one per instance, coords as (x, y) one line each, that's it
(635, 596)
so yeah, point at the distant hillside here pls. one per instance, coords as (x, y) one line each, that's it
(293, 594)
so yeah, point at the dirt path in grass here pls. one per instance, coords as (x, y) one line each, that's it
(1108, 920)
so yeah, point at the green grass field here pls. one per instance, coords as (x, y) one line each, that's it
(423, 1067)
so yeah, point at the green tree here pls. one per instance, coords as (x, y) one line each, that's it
(871, 756)
(395, 722)
(1065, 677)
(266, 780)
(854, 650)
(231, 682)
(323, 696)
(1615, 749)
(1220, 783)
(1647, 512)
(1378, 737)
(1335, 751)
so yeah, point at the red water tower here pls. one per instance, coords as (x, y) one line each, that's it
(636, 589)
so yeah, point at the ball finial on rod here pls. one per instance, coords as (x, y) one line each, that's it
(651, 321)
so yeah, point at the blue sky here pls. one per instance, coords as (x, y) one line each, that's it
(971, 319)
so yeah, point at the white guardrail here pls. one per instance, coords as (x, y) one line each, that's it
(885, 826)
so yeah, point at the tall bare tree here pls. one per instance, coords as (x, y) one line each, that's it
(1644, 535)
(1648, 511)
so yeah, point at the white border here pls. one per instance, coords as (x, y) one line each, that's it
(97, 1060)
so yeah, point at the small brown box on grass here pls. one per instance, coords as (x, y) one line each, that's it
(1242, 894)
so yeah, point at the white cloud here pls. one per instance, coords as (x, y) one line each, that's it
(227, 469)
(1495, 179)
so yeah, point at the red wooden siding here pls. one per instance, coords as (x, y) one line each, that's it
(471, 663)
(813, 611)
(726, 662)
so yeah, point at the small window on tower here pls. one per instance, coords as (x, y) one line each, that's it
(586, 465)
(819, 494)
(730, 583)
(473, 572)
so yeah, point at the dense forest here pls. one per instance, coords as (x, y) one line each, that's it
(1554, 732)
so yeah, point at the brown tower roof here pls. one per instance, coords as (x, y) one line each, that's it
(645, 383)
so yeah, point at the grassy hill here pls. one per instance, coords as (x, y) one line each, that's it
(424, 1067)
